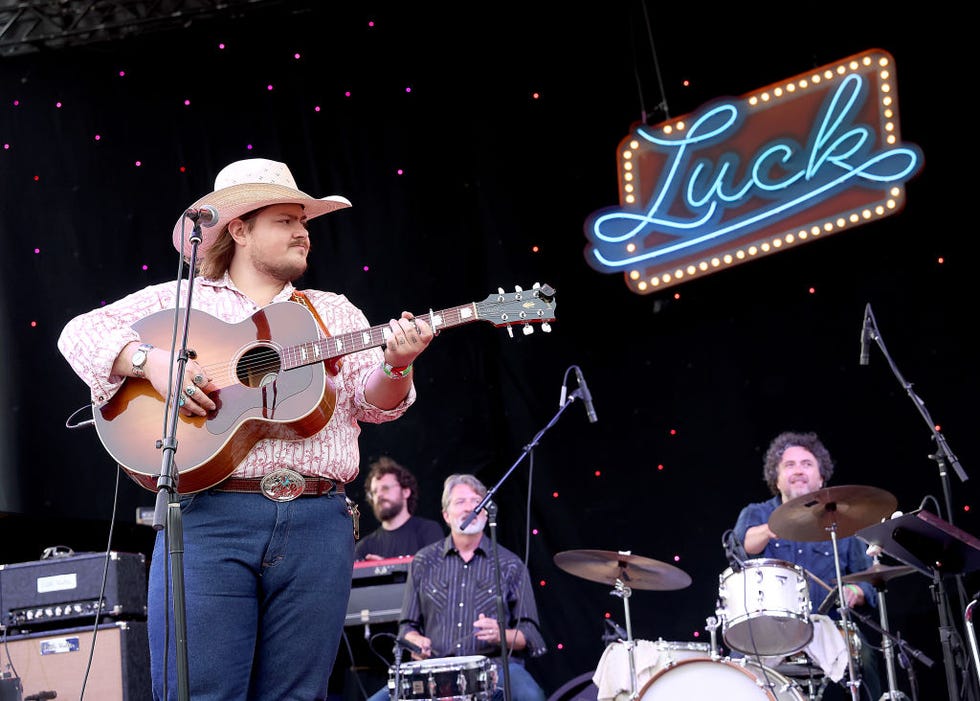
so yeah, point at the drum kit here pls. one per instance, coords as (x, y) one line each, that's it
(763, 606)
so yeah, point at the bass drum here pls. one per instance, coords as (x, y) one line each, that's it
(710, 680)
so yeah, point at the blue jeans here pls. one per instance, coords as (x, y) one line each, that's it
(266, 589)
(522, 686)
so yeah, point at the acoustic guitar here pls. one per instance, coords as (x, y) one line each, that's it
(272, 371)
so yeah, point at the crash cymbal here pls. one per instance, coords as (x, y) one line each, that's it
(636, 572)
(846, 510)
(878, 574)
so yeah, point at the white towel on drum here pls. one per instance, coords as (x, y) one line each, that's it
(828, 647)
(612, 675)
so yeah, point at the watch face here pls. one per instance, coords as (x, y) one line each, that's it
(139, 357)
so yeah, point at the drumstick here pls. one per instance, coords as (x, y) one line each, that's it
(817, 579)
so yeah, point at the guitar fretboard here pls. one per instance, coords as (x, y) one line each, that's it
(344, 344)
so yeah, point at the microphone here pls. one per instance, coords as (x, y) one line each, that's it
(205, 216)
(406, 645)
(865, 335)
(732, 548)
(616, 629)
(585, 395)
(828, 602)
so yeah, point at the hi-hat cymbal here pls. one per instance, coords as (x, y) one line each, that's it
(846, 510)
(636, 572)
(878, 574)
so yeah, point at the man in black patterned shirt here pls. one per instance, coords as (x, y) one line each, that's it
(450, 604)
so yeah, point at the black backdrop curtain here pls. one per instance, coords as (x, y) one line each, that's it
(473, 145)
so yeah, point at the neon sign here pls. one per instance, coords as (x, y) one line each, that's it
(741, 178)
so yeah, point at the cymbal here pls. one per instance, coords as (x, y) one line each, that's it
(608, 567)
(878, 574)
(847, 509)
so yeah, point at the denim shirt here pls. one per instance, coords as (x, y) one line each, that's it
(817, 558)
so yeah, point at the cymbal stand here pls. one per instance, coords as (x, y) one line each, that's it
(623, 591)
(893, 694)
(852, 683)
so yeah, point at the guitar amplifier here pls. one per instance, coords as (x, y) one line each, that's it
(66, 590)
(56, 664)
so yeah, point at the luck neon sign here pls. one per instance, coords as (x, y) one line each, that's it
(742, 178)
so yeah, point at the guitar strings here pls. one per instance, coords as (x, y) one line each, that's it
(263, 361)
(229, 372)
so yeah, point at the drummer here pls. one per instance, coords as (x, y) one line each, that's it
(450, 604)
(796, 464)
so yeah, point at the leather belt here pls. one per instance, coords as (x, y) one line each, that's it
(282, 485)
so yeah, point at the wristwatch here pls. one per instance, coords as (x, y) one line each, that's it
(139, 359)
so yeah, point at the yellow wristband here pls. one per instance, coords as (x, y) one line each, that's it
(396, 373)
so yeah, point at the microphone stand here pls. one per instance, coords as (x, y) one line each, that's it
(396, 692)
(168, 496)
(943, 457)
(499, 598)
(895, 641)
(971, 633)
(492, 517)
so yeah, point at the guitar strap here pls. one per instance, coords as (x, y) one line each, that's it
(297, 296)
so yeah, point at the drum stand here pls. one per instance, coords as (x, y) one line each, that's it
(623, 591)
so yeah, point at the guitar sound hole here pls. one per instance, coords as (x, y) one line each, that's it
(258, 366)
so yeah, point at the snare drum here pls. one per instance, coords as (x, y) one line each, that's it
(708, 679)
(472, 677)
(853, 637)
(765, 608)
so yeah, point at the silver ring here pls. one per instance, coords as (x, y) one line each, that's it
(190, 391)
(199, 380)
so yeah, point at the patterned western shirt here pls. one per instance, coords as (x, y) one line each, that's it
(91, 342)
(445, 595)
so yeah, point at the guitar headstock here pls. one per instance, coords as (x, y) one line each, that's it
(536, 305)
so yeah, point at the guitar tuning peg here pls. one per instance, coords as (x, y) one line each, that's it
(546, 327)
(528, 329)
(510, 331)
(536, 286)
(518, 288)
(500, 290)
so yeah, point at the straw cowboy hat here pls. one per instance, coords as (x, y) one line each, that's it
(242, 187)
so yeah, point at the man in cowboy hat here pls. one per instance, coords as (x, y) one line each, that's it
(269, 547)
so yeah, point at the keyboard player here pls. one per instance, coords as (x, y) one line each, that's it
(392, 492)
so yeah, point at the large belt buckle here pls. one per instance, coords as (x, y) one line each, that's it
(283, 485)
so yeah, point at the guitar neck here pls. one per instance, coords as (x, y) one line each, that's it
(343, 344)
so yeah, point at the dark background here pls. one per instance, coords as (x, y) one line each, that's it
(689, 384)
